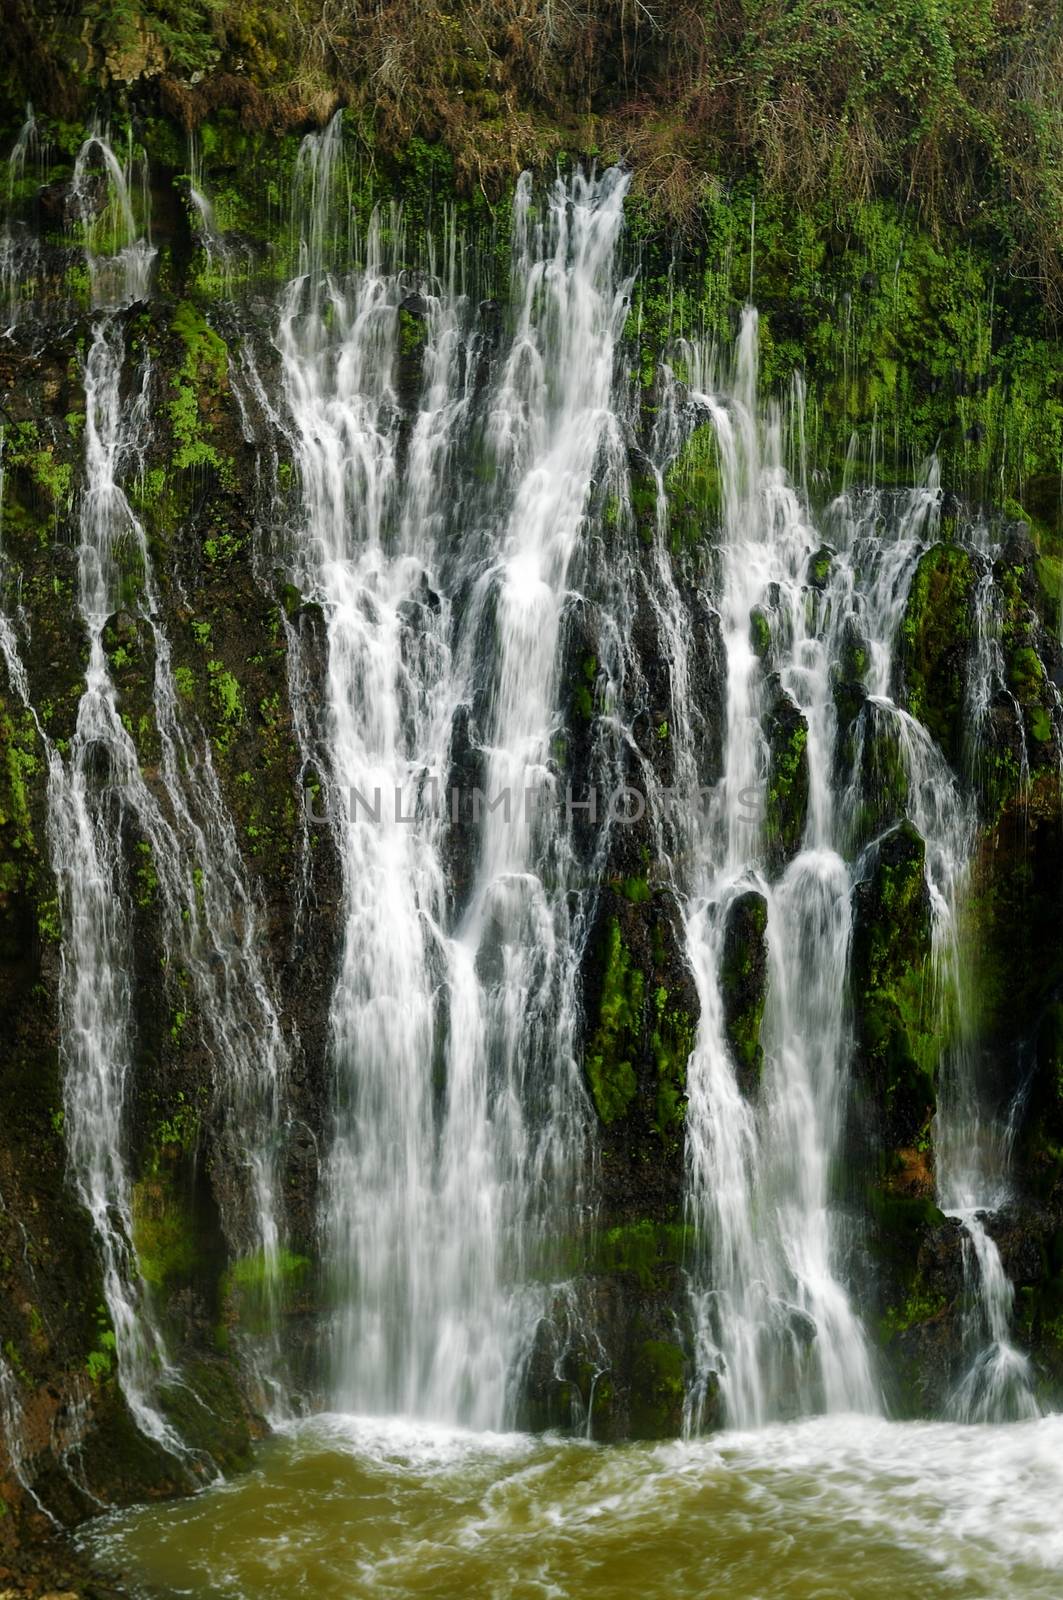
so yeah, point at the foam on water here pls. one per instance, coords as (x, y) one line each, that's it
(839, 1508)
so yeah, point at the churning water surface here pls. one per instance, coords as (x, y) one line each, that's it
(837, 1508)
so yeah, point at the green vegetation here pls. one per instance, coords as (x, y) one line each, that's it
(255, 1285)
(615, 1041)
(920, 1305)
(647, 1250)
(693, 486)
(164, 1235)
(100, 1361)
(671, 1041)
(202, 375)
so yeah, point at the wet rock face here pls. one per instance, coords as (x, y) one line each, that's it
(611, 1358)
(198, 498)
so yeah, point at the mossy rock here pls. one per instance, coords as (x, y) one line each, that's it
(760, 634)
(936, 635)
(878, 773)
(898, 1034)
(819, 568)
(693, 486)
(1011, 917)
(658, 1388)
(786, 805)
(616, 1038)
(743, 983)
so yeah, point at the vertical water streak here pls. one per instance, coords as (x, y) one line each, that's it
(19, 246)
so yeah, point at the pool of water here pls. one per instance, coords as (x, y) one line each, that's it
(848, 1508)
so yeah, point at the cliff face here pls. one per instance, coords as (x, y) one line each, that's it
(909, 341)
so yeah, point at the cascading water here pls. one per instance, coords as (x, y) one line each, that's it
(974, 1146)
(459, 1112)
(772, 1315)
(210, 921)
(447, 470)
(759, 1185)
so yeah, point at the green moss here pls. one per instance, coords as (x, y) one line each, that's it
(100, 1361)
(164, 1235)
(648, 1251)
(254, 1286)
(935, 634)
(637, 890)
(146, 876)
(202, 376)
(902, 1024)
(15, 1361)
(743, 983)
(227, 696)
(583, 692)
(657, 1390)
(671, 1041)
(184, 682)
(53, 476)
(920, 1305)
(413, 334)
(693, 488)
(614, 1042)
(760, 633)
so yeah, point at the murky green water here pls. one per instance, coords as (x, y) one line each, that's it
(832, 1509)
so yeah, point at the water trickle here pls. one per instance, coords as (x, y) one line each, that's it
(19, 241)
(210, 922)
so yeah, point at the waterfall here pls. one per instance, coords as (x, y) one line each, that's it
(451, 454)
(459, 1113)
(773, 1320)
(973, 1145)
(210, 921)
(772, 1314)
